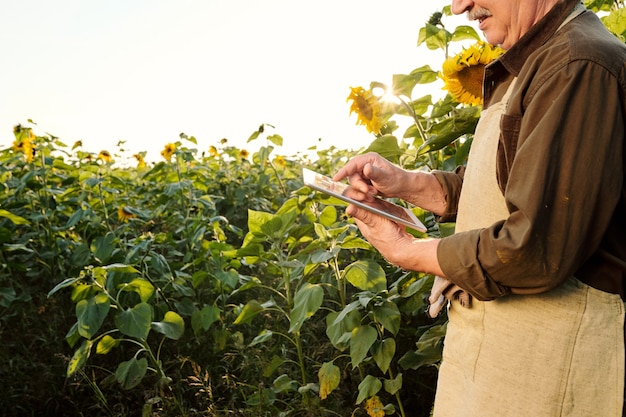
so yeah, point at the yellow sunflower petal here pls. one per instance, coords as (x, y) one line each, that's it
(367, 108)
(463, 73)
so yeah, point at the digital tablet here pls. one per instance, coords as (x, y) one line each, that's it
(392, 211)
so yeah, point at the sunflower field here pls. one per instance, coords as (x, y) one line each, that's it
(213, 282)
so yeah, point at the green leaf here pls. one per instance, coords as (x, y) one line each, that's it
(79, 358)
(328, 216)
(263, 397)
(229, 278)
(203, 319)
(123, 268)
(447, 229)
(599, 5)
(383, 352)
(616, 22)
(429, 348)
(262, 337)
(393, 386)
(462, 33)
(307, 301)
(136, 321)
(7, 296)
(141, 286)
(83, 292)
(339, 326)
(361, 340)
(366, 275)
(354, 242)
(388, 315)
(103, 247)
(434, 37)
(172, 325)
(421, 105)
(106, 344)
(257, 221)
(130, 373)
(329, 377)
(251, 309)
(63, 284)
(256, 133)
(284, 384)
(368, 388)
(387, 147)
(403, 84)
(91, 314)
(81, 255)
(274, 364)
(72, 337)
(13, 217)
(449, 130)
(320, 256)
(273, 227)
(276, 139)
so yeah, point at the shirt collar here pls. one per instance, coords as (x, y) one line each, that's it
(516, 56)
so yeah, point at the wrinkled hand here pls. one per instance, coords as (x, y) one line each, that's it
(371, 174)
(385, 235)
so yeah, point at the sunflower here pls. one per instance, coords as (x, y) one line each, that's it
(105, 156)
(125, 214)
(244, 154)
(168, 151)
(367, 107)
(280, 161)
(141, 163)
(374, 407)
(213, 151)
(24, 138)
(463, 73)
(25, 146)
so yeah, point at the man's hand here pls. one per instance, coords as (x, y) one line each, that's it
(371, 174)
(396, 245)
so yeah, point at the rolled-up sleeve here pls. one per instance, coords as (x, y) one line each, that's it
(451, 183)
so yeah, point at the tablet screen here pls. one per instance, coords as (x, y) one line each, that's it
(384, 208)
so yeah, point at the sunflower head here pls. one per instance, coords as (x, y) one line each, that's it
(280, 161)
(213, 151)
(435, 19)
(26, 147)
(141, 163)
(168, 151)
(125, 214)
(374, 407)
(463, 73)
(24, 142)
(244, 154)
(105, 156)
(367, 107)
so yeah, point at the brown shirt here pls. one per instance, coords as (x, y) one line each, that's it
(560, 166)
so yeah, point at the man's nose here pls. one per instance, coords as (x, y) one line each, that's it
(461, 6)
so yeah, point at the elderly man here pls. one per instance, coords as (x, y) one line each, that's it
(539, 252)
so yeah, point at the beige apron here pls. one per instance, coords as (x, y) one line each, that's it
(560, 353)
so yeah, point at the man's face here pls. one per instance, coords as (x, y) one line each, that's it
(503, 22)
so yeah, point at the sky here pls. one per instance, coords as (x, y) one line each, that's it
(145, 71)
